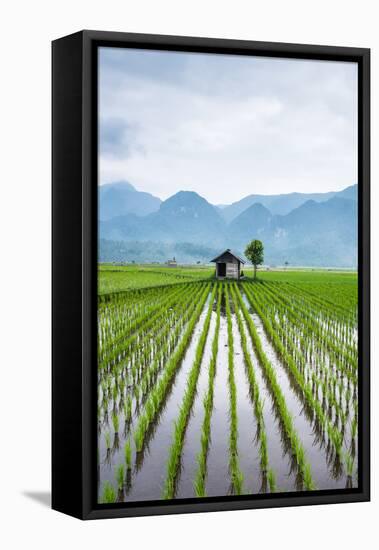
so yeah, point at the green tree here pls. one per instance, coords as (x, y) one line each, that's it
(254, 253)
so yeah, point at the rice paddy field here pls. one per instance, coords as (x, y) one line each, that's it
(213, 388)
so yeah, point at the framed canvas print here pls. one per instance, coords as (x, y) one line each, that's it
(210, 274)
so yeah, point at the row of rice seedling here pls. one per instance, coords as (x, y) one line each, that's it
(157, 395)
(328, 334)
(143, 348)
(122, 319)
(331, 324)
(129, 400)
(181, 422)
(309, 342)
(336, 385)
(339, 401)
(136, 388)
(119, 382)
(190, 311)
(165, 342)
(324, 423)
(113, 280)
(144, 336)
(235, 471)
(298, 451)
(199, 483)
(118, 316)
(119, 348)
(267, 472)
(330, 379)
(326, 300)
(152, 341)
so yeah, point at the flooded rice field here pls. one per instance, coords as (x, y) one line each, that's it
(218, 388)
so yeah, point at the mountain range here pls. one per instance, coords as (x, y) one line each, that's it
(284, 203)
(120, 198)
(301, 229)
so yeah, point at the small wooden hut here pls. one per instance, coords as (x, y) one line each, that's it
(172, 263)
(228, 265)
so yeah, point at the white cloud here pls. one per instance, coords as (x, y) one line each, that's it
(227, 126)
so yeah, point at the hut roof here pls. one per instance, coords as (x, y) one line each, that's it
(228, 251)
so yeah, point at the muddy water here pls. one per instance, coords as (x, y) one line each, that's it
(148, 481)
(248, 452)
(279, 462)
(191, 446)
(316, 456)
(218, 478)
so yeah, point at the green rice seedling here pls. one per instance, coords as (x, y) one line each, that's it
(120, 476)
(349, 464)
(271, 480)
(115, 393)
(140, 431)
(199, 487)
(354, 427)
(128, 409)
(128, 455)
(115, 422)
(309, 484)
(107, 437)
(263, 451)
(109, 494)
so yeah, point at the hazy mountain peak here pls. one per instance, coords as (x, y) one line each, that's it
(121, 197)
(283, 203)
(119, 185)
(185, 196)
(320, 229)
(184, 202)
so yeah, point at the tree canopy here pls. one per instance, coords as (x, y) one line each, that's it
(254, 252)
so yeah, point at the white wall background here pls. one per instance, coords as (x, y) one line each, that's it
(26, 31)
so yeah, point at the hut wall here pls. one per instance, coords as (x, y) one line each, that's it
(232, 270)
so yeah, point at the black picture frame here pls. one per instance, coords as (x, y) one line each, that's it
(74, 273)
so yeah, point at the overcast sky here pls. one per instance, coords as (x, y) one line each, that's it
(226, 126)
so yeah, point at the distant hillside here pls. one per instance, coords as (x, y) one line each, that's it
(183, 216)
(282, 204)
(151, 251)
(316, 233)
(120, 198)
(253, 221)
